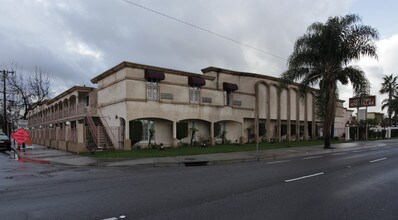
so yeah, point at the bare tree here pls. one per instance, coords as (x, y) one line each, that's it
(29, 90)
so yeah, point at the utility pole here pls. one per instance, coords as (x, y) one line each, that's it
(5, 73)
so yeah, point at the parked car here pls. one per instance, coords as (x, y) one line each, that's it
(5, 143)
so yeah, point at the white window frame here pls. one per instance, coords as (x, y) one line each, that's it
(194, 94)
(146, 125)
(152, 90)
(228, 98)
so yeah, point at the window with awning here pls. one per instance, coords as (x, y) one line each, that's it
(229, 87)
(154, 75)
(196, 81)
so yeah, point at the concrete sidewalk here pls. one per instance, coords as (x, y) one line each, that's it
(41, 154)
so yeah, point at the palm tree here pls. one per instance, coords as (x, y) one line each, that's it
(322, 56)
(389, 86)
(392, 106)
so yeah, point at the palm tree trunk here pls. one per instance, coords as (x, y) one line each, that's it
(329, 115)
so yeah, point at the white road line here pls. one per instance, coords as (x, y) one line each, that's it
(335, 154)
(372, 161)
(279, 161)
(355, 156)
(307, 158)
(292, 150)
(381, 145)
(303, 177)
(357, 151)
(112, 218)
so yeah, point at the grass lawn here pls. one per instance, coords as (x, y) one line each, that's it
(183, 151)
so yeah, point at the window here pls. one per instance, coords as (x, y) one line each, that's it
(152, 90)
(194, 94)
(87, 100)
(228, 98)
(146, 126)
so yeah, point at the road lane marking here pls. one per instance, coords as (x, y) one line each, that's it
(357, 151)
(279, 161)
(372, 161)
(308, 158)
(292, 150)
(335, 154)
(355, 156)
(115, 218)
(381, 145)
(304, 177)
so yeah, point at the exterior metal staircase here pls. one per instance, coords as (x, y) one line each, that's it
(97, 137)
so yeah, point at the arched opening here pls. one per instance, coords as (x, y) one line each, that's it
(150, 132)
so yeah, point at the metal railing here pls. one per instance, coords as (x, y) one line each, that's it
(112, 132)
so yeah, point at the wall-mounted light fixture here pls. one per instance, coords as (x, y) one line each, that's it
(67, 123)
(51, 125)
(40, 127)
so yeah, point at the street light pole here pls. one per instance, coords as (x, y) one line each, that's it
(5, 128)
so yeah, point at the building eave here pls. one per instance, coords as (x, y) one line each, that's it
(126, 64)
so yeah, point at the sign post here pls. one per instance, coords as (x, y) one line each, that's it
(21, 136)
(362, 101)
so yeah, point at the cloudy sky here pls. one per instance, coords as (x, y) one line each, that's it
(75, 40)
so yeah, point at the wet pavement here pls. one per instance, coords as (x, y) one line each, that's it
(41, 154)
(344, 179)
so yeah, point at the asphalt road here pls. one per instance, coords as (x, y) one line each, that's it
(357, 184)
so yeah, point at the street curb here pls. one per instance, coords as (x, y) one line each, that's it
(25, 158)
(180, 162)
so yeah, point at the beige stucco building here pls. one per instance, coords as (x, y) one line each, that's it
(215, 102)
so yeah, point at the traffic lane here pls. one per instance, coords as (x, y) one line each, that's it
(362, 192)
(139, 193)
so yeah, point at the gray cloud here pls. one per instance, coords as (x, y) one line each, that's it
(76, 40)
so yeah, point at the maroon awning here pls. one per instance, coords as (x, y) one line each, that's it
(154, 75)
(196, 81)
(229, 87)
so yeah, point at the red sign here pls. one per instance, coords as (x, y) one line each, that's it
(357, 102)
(20, 136)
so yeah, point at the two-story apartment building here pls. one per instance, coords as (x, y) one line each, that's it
(216, 102)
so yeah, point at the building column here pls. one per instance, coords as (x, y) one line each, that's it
(57, 131)
(268, 121)
(297, 116)
(313, 118)
(279, 116)
(347, 133)
(212, 139)
(242, 133)
(256, 114)
(289, 123)
(80, 137)
(175, 140)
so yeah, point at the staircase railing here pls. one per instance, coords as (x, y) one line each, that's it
(113, 138)
(93, 129)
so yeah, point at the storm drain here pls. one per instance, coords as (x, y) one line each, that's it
(191, 162)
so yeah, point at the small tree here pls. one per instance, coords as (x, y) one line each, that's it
(29, 90)
(193, 131)
(151, 134)
(223, 136)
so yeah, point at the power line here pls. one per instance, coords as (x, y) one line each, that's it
(204, 29)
